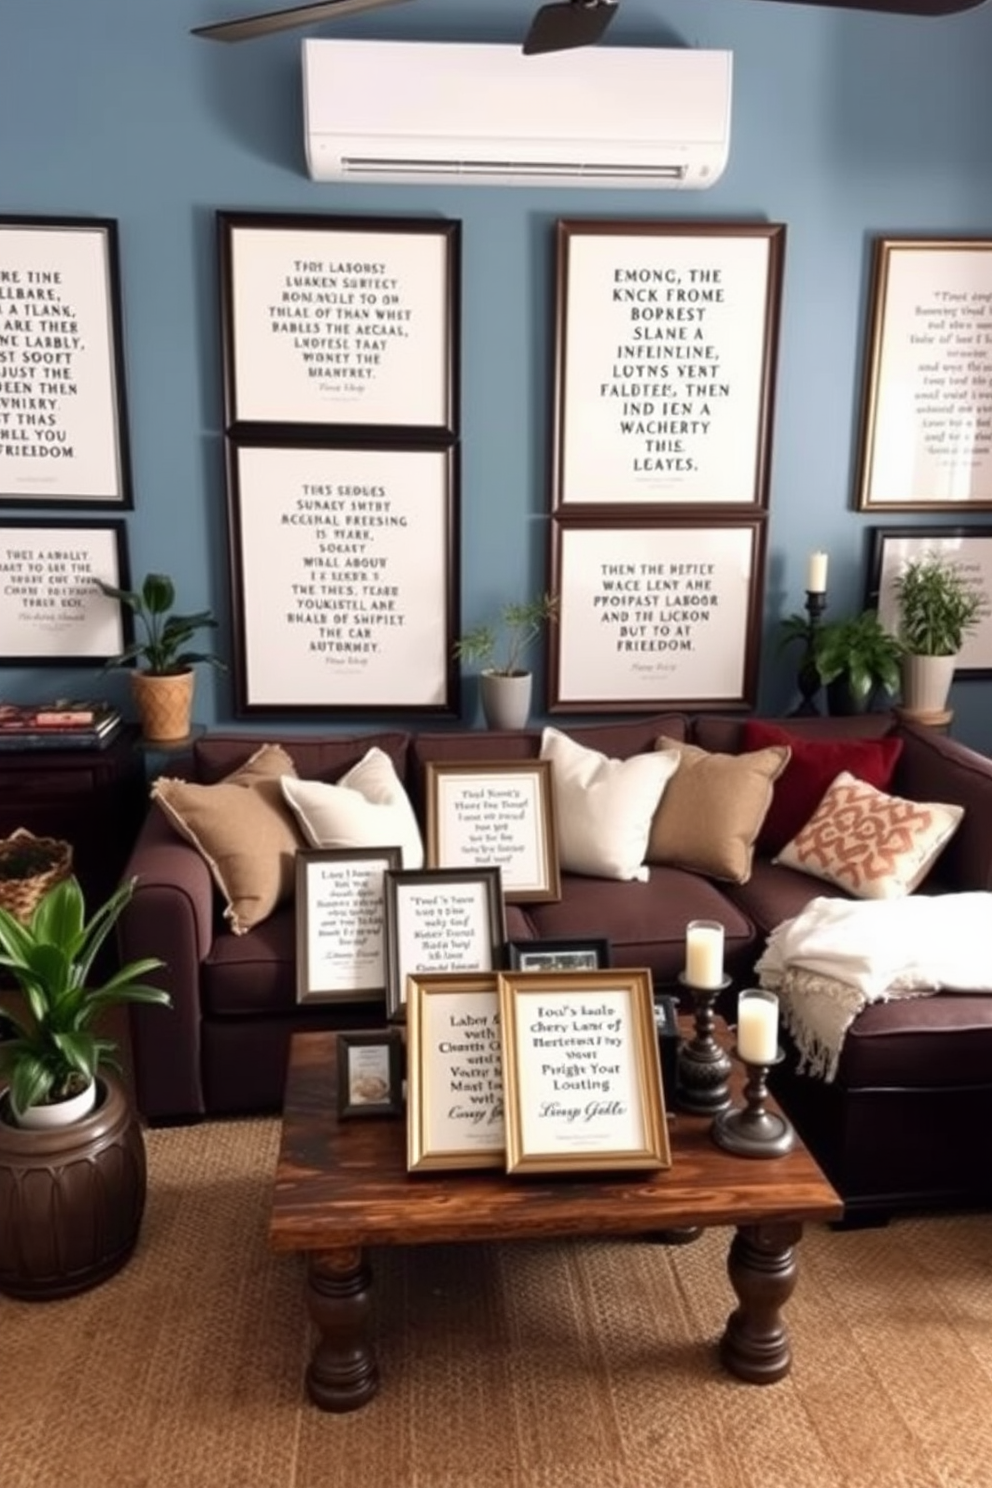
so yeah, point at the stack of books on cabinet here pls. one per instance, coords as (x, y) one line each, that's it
(61, 724)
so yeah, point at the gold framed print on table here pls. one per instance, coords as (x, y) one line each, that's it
(454, 1072)
(581, 1072)
(926, 431)
(666, 349)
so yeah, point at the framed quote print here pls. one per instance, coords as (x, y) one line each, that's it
(656, 610)
(968, 549)
(63, 419)
(340, 923)
(666, 344)
(926, 437)
(501, 813)
(454, 1072)
(343, 324)
(581, 1072)
(344, 573)
(52, 611)
(440, 919)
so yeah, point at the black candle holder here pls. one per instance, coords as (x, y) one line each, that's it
(808, 677)
(704, 1067)
(751, 1130)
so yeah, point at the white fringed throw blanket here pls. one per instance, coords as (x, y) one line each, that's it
(838, 955)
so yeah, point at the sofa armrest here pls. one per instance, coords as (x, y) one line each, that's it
(933, 767)
(170, 916)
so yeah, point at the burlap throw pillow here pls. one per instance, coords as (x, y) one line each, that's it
(243, 829)
(713, 808)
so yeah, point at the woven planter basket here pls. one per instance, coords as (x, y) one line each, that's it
(21, 895)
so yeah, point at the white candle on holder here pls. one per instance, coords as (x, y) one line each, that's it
(816, 573)
(704, 953)
(757, 1026)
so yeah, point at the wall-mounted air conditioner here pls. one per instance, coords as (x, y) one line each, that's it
(487, 114)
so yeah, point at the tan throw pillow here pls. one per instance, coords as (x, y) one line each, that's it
(873, 845)
(713, 809)
(244, 831)
(604, 807)
(367, 807)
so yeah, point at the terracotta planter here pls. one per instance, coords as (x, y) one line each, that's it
(165, 706)
(71, 1200)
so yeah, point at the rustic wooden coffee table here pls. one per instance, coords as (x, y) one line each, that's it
(341, 1186)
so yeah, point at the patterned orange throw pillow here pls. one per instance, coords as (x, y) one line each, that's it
(873, 845)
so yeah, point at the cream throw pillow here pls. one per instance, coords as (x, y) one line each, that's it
(243, 830)
(604, 807)
(713, 809)
(873, 845)
(367, 807)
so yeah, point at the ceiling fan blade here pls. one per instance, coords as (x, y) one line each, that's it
(247, 27)
(568, 23)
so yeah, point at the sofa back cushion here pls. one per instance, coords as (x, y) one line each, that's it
(317, 757)
(934, 768)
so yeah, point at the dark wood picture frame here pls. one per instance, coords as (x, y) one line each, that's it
(353, 920)
(370, 1073)
(68, 621)
(341, 327)
(566, 954)
(415, 926)
(471, 809)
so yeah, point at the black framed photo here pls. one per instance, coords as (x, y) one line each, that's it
(64, 431)
(968, 549)
(656, 610)
(340, 923)
(345, 577)
(370, 1073)
(441, 919)
(340, 325)
(52, 612)
(591, 954)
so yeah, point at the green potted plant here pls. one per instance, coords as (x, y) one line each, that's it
(498, 649)
(72, 1169)
(163, 686)
(854, 658)
(938, 606)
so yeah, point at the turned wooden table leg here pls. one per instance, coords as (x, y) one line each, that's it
(342, 1374)
(762, 1270)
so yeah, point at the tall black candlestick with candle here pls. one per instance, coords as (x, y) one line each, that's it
(808, 677)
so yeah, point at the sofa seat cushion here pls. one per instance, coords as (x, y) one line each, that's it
(774, 893)
(644, 922)
(919, 1043)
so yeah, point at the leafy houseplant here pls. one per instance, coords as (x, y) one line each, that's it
(855, 657)
(499, 649)
(938, 606)
(164, 706)
(55, 1051)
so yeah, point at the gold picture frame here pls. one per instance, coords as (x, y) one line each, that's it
(454, 1072)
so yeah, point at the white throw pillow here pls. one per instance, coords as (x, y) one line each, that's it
(604, 806)
(367, 807)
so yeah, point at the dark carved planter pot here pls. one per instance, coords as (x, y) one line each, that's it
(71, 1200)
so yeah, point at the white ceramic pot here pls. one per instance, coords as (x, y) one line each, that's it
(506, 700)
(59, 1113)
(926, 682)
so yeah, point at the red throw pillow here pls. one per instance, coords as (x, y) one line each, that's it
(813, 766)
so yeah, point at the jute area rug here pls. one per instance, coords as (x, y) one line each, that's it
(586, 1364)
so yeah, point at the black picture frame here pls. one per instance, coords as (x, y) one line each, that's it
(83, 458)
(52, 612)
(370, 1073)
(970, 546)
(420, 903)
(345, 928)
(593, 953)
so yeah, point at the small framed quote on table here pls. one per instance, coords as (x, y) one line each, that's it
(581, 1072)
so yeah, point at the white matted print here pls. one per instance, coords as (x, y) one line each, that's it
(63, 416)
(666, 351)
(655, 611)
(340, 321)
(501, 813)
(454, 1073)
(343, 572)
(441, 919)
(340, 923)
(51, 609)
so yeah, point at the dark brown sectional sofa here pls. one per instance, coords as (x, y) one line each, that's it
(895, 1130)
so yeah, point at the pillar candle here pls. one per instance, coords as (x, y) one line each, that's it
(816, 573)
(757, 1027)
(704, 953)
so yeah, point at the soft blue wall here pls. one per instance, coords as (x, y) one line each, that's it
(845, 126)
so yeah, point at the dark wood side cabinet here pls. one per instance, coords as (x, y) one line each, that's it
(94, 798)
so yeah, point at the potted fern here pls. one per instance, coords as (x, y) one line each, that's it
(163, 687)
(498, 648)
(938, 606)
(854, 658)
(72, 1162)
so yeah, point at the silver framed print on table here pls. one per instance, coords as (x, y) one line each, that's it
(926, 432)
(666, 346)
(968, 549)
(52, 612)
(501, 813)
(63, 419)
(440, 919)
(340, 325)
(343, 568)
(340, 923)
(655, 610)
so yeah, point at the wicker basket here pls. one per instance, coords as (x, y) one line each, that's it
(22, 891)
